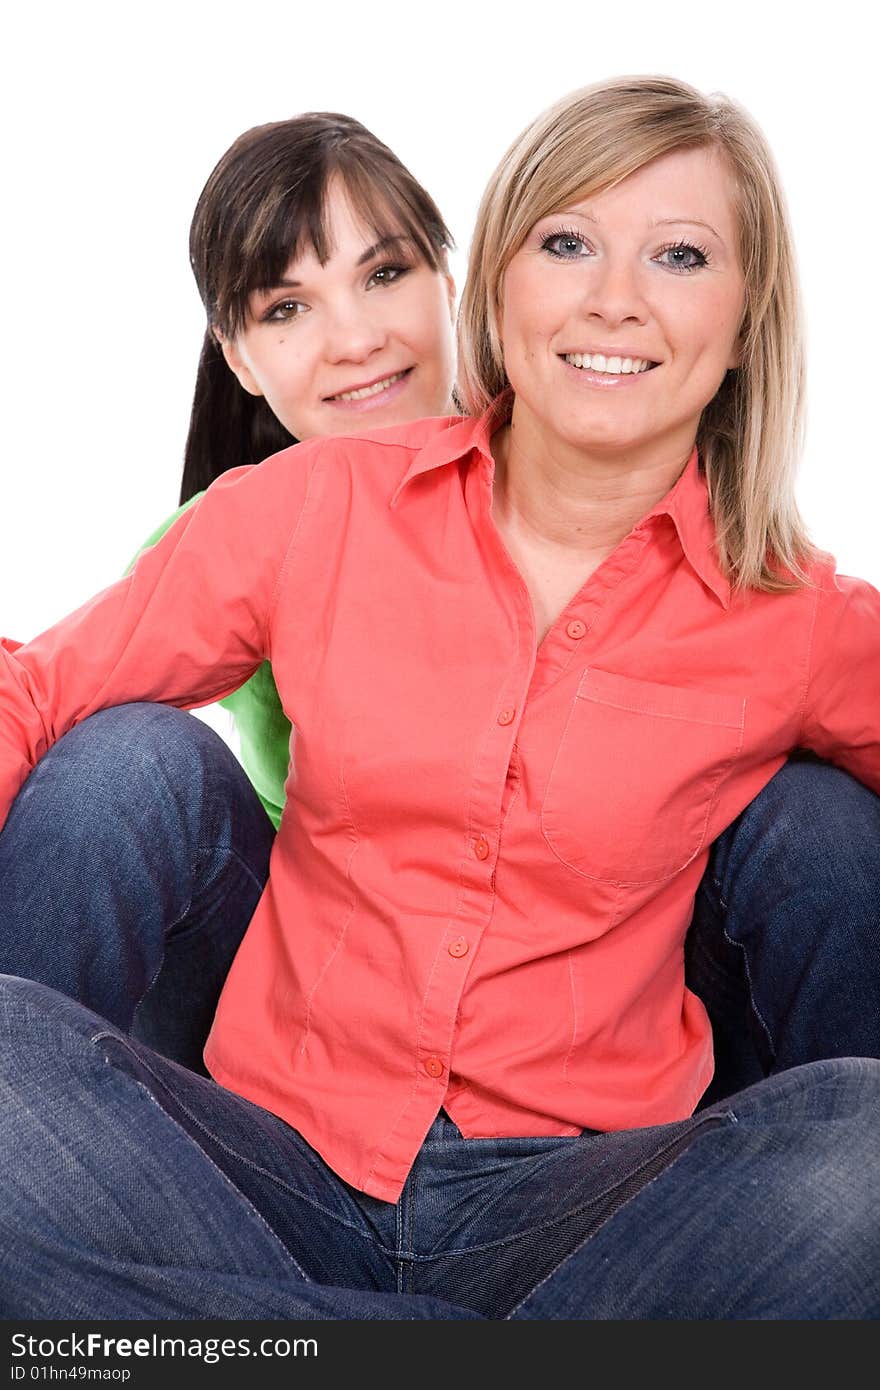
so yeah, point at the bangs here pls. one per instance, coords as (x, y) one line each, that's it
(292, 219)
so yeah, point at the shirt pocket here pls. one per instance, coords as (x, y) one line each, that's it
(636, 774)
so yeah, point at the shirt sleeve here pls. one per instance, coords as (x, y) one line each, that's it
(164, 526)
(842, 706)
(188, 624)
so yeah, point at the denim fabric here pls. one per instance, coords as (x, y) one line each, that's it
(784, 946)
(134, 855)
(129, 868)
(131, 1187)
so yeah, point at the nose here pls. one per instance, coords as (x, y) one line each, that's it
(613, 292)
(354, 331)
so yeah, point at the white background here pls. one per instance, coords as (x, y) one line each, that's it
(113, 116)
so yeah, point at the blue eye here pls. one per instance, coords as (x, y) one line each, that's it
(684, 249)
(564, 245)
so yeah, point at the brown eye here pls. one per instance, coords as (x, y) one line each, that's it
(284, 310)
(387, 274)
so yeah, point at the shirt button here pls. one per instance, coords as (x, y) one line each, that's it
(576, 628)
(433, 1066)
(458, 947)
(481, 848)
(506, 716)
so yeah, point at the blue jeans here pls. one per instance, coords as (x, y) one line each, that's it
(782, 949)
(130, 866)
(135, 853)
(140, 1190)
(784, 945)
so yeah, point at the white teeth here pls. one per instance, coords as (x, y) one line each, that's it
(614, 366)
(375, 390)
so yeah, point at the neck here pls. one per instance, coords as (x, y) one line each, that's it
(573, 500)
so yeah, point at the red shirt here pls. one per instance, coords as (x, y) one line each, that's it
(486, 866)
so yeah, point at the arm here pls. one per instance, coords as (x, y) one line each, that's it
(263, 728)
(10, 645)
(841, 720)
(160, 530)
(187, 625)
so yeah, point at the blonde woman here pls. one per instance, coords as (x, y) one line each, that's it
(168, 822)
(537, 660)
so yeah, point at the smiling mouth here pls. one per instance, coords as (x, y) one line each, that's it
(375, 388)
(612, 366)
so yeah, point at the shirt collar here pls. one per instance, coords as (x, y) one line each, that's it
(453, 443)
(686, 503)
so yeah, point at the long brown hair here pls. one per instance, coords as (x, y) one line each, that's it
(263, 204)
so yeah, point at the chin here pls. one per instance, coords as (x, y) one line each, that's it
(599, 441)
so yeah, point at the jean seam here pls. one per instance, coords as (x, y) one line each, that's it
(199, 853)
(791, 1079)
(225, 1178)
(229, 849)
(406, 1275)
(738, 946)
(708, 1121)
(715, 1119)
(398, 1225)
(234, 1153)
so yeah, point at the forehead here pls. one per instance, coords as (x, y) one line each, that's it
(347, 232)
(683, 185)
(342, 218)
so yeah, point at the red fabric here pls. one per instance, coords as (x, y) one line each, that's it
(487, 863)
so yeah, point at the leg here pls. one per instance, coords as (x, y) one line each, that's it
(783, 948)
(771, 1214)
(140, 1190)
(130, 867)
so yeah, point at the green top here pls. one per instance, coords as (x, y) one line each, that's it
(263, 728)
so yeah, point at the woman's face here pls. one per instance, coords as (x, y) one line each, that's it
(646, 270)
(362, 342)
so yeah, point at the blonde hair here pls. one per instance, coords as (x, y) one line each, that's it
(750, 434)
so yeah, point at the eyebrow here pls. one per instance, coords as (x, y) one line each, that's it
(691, 222)
(666, 221)
(385, 243)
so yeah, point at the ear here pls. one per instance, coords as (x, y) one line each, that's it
(236, 363)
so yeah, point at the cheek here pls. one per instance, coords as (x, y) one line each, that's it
(428, 330)
(289, 371)
(513, 319)
(719, 322)
(533, 313)
(291, 394)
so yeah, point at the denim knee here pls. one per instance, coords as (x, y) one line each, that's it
(145, 769)
(128, 752)
(145, 743)
(33, 1020)
(835, 1088)
(807, 808)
